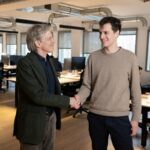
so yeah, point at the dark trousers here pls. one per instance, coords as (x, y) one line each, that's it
(49, 136)
(119, 129)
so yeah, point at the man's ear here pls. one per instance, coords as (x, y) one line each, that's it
(37, 43)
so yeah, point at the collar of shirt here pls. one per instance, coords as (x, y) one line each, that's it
(42, 59)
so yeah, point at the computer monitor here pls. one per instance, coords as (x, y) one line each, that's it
(14, 59)
(5, 59)
(77, 63)
(67, 64)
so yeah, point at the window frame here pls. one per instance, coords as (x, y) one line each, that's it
(147, 51)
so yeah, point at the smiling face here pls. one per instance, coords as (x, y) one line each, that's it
(107, 36)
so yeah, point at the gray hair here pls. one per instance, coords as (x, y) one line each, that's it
(35, 33)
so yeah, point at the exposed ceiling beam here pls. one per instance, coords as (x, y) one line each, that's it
(7, 31)
(8, 1)
(146, 0)
(24, 21)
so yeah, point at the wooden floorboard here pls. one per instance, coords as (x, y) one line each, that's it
(73, 135)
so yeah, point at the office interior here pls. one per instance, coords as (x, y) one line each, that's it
(76, 35)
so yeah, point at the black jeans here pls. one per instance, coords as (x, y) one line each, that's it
(119, 128)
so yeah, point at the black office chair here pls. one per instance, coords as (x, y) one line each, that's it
(1, 76)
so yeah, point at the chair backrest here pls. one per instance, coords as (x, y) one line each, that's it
(1, 72)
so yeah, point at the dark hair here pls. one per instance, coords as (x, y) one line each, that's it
(115, 23)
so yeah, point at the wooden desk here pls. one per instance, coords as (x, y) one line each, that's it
(62, 80)
(69, 78)
(10, 70)
(145, 109)
(12, 79)
(10, 67)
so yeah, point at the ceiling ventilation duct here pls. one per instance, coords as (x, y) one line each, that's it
(50, 21)
(64, 10)
(69, 11)
(142, 19)
(6, 23)
(106, 11)
(88, 25)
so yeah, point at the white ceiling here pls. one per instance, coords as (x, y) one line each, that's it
(119, 8)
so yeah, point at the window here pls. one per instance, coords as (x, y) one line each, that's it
(24, 49)
(91, 42)
(127, 39)
(64, 45)
(148, 52)
(11, 40)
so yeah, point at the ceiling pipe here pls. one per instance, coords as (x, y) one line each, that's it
(67, 10)
(104, 10)
(51, 21)
(8, 23)
(142, 19)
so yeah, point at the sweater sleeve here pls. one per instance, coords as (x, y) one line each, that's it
(135, 91)
(85, 89)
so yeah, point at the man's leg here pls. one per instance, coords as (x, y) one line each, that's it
(50, 133)
(49, 136)
(98, 132)
(120, 130)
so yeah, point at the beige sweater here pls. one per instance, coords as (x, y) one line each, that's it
(108, 78)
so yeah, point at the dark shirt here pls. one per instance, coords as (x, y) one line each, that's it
(49, 75)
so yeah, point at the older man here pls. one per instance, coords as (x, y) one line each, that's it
(38, 92)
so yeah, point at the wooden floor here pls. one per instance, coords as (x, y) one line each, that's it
(73, 135)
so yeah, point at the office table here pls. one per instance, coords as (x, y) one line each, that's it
(10, 67)
(10, 70)
(62, 80)
(145, 109)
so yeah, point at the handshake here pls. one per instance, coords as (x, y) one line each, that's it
(75, 102)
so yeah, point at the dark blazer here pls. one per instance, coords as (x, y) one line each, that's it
(32, 98)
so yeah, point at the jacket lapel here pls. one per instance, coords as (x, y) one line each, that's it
(58, 87)
(37, 67)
